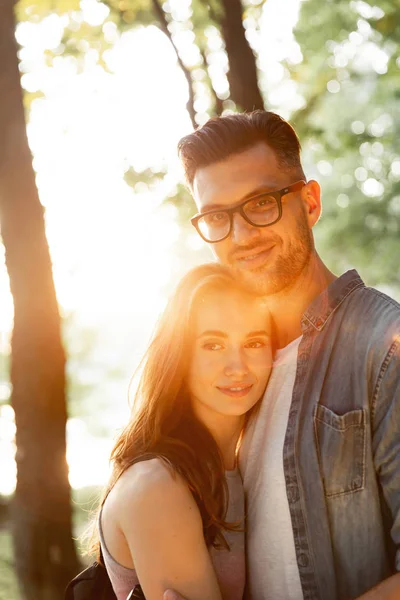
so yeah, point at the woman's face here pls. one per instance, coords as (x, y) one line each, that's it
(231, 354)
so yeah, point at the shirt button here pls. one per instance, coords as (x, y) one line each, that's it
(303, 560)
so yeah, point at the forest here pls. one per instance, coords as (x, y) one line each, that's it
(94, 212)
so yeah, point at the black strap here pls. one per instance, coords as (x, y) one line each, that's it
(136, 594)
(94, 584)
(91, 584)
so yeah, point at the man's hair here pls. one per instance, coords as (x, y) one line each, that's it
(222, 137)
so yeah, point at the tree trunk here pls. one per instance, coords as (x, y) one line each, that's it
(242, 74)
(44, 550)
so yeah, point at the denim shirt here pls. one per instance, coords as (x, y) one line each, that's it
(342, 446)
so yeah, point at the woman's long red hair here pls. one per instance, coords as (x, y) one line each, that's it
(162, 423)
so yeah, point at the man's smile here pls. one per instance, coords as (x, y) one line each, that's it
(254, 258)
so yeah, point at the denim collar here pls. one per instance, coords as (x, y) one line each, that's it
(320, 309)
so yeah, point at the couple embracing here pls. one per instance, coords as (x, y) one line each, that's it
(263, 458)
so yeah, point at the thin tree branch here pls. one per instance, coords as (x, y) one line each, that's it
(163, 24)
(219, 107)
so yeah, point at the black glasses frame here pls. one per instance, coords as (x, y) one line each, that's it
(294, 187)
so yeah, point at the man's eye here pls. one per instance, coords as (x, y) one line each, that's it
(264, 202)
(212, 346)
(217, 218)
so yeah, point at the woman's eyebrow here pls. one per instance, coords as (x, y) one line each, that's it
(213, 332)
(222, 334)
(258, 332)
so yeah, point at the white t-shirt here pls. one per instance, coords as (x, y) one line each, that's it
(272, 572)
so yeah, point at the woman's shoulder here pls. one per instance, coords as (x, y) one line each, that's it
(148, 484)
(161, 526)
(145, 476)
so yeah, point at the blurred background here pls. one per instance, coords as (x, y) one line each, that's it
(108, 88)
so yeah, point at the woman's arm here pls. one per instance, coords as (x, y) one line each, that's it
(163, 528)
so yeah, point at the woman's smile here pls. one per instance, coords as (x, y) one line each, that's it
(236, 391)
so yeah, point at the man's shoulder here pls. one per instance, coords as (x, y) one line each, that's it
(381, 309)
(374, 316)
(382, 299)
(372, 302)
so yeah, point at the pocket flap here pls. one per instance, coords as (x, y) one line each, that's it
(340, 422)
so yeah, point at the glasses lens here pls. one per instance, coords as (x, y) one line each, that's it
(262, 210)
(214, 226)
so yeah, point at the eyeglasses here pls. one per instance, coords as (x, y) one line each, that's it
(261, 210)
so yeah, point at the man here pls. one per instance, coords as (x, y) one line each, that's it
(321, 464)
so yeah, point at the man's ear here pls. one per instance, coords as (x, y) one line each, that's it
(311, 196)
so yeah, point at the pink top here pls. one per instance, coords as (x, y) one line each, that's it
(229, 565)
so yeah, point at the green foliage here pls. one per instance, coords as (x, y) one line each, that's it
(4, 373)
(8, 580)
(128, 11)
(84, 504)
(35, 10)
(179, 196)
(349, 126)
(351, 81)
(138, 12)
(80, 343)
(148, 177)
(183, 200)
(206, 13)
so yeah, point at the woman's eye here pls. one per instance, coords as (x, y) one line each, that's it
(256, 344)
(212, 346)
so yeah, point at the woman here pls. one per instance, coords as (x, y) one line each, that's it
(172, 514)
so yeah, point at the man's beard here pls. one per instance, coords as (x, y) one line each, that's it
(273, 278)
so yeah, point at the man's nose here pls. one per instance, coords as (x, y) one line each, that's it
(236, 365)
(243, 232)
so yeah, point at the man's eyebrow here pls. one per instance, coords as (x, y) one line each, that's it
(256, 192)
(213, 333)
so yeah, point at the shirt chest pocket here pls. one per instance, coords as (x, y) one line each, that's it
(340, 441)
